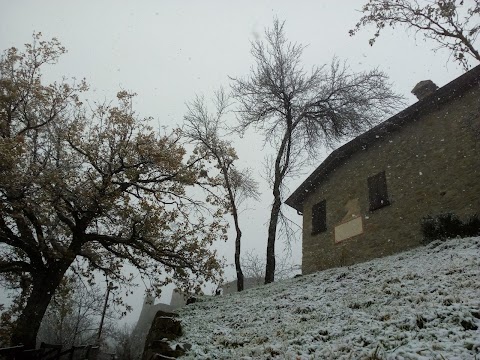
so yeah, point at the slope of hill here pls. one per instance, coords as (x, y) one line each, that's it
(421, 304)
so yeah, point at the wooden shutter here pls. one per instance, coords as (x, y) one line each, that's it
(377, 191)
(319, 217)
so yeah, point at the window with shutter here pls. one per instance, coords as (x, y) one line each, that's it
(377, 191)
(319, 217)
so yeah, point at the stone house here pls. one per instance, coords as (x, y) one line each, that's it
(367, 199)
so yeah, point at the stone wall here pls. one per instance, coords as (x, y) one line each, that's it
(160, 343)
(432, 166)
(147, 315)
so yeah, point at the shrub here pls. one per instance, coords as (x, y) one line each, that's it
(447, 226)
(472, 226)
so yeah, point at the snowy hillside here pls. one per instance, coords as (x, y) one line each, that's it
(421, 304)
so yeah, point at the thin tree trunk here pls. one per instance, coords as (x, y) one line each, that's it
(28, 323)
(280, 172)
(238, 238)
(77, 325)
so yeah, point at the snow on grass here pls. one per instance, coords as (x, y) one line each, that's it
(421, 304)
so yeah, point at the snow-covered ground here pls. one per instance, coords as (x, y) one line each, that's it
(421, 304)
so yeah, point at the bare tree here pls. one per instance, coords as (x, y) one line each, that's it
(205, 130)
(452, 24)
(73, 315)
(254, 266)
(127, 346)
(297, 111)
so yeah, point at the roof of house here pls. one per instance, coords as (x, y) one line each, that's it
(444, 94)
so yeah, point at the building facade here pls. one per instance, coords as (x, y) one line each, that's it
(368, 198)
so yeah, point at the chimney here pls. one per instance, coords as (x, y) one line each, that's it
(424, 88)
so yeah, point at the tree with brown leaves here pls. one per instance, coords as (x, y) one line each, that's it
(90, 189)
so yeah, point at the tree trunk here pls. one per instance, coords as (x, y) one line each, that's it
(238, 237)
(280, 171)
(272, 234)
(44, 286)
(237, 253)
(234, 211)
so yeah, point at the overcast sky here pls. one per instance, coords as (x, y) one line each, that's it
(168, 51)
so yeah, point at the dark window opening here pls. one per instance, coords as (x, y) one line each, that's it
(319, 217)
(377, 191)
